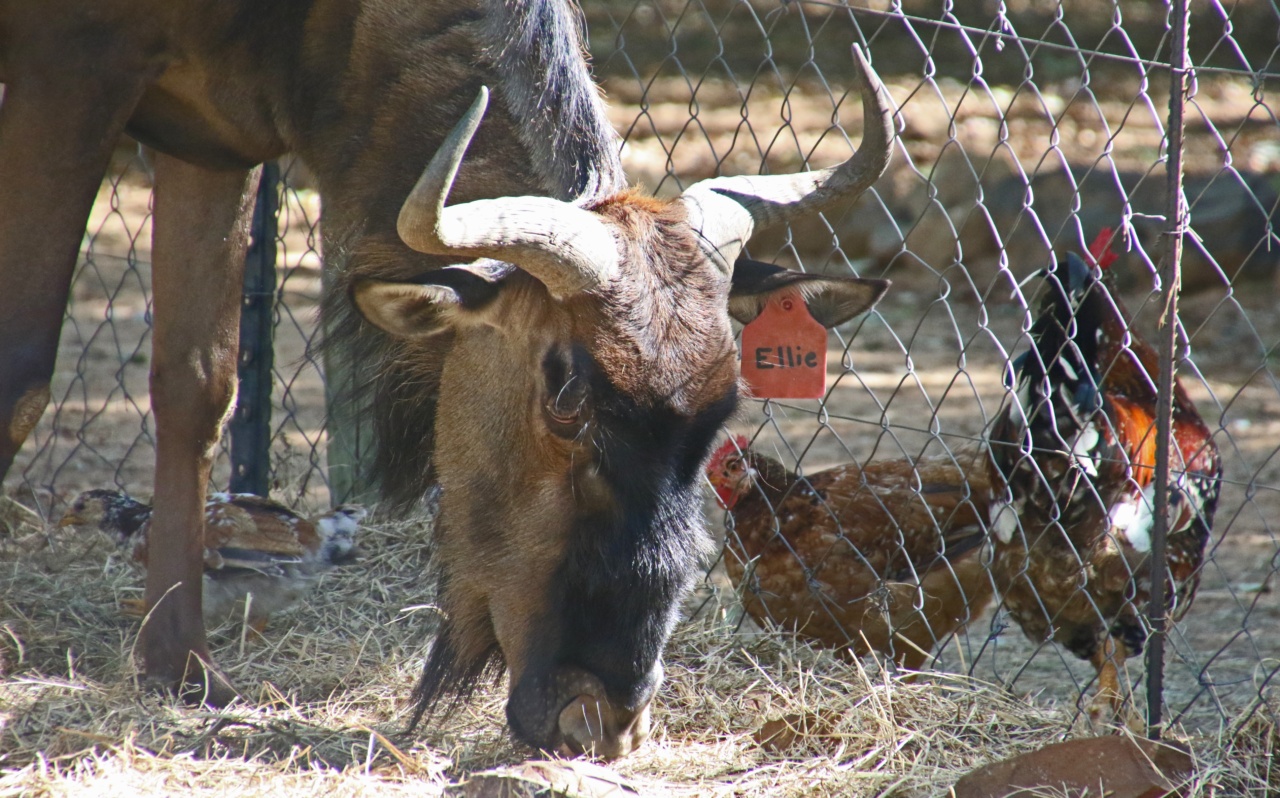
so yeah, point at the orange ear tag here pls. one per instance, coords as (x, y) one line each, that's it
(784, 351)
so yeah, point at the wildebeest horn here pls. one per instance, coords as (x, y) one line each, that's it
(567, 248)
(726, 210)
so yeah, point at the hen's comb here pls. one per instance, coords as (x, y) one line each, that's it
(1100, 250)
(730, 448)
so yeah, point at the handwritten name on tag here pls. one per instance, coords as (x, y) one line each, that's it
(784, 351)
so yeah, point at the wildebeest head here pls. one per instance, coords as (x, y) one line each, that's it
(578, 402)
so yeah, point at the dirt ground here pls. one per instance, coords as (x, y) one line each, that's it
(922, 372)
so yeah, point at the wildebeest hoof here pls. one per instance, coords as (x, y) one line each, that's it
(207, 687)
(202, 685)
(596, 728)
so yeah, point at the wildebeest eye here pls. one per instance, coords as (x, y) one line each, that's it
(565, 407)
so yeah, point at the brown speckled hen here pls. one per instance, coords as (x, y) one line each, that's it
(1077, 445)
(252, 546)
(882, 557)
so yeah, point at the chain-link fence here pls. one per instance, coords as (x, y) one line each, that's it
(1024, 129)
(99, 431)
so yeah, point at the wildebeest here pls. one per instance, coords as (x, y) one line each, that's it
(559, 354)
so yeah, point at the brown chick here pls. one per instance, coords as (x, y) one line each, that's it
(254, 549)
(882, 557)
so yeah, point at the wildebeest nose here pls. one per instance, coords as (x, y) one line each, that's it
(593, 726)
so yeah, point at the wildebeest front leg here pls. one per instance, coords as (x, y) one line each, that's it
(202, 221)
(57, 131)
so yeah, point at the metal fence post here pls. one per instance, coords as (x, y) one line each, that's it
(250, 426)
(1171, 263)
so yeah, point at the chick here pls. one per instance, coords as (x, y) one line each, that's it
(255, 549)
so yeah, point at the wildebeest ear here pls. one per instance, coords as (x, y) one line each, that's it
(427, 305)
(831, 300)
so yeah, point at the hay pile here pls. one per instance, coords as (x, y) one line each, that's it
(325, 690)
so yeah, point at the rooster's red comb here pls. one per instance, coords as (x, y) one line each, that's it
(730, 448)
(1100, 250)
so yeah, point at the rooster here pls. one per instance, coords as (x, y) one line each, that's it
(882, 557)
(252, 547)
(1076, 448)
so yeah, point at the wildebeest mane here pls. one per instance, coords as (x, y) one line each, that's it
(446, 679)
(536, 48)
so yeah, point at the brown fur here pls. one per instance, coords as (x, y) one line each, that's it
(672, 310)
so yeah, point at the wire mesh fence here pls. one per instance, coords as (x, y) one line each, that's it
(98, 430)
(1024, 130)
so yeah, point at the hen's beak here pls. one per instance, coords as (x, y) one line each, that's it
(69, 518)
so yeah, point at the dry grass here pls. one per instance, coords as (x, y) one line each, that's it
(325, 714)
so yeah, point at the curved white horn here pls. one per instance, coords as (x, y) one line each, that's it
(568, 249)
(726, 210)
